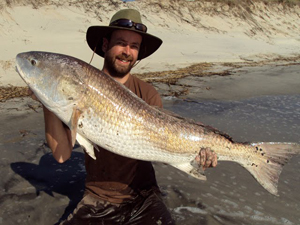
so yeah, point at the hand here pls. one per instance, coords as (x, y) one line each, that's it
(32, 95)
(207, 158)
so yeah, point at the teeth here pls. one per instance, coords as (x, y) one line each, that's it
(124, 60)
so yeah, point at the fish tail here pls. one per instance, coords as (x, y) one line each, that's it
(267, 167)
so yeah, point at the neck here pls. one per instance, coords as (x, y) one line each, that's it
(121, 80)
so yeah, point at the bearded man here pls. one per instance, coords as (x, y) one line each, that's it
(118, 190)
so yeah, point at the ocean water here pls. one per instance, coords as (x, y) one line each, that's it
(265, 118)
(231, 195)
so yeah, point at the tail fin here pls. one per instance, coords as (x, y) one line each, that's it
(268, 166)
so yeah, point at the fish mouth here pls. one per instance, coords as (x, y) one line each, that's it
(19, 71)
(21, 75)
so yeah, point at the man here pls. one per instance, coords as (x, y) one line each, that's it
(118, 190)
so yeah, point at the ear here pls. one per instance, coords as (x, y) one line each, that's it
(105, 45)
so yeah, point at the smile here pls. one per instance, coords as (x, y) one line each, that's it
(124, 60)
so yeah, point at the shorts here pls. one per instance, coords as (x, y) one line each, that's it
(147, 209)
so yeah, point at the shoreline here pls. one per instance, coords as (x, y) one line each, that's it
(236, 81)
(210, 79)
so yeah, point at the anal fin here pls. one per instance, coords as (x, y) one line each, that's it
(194, 171)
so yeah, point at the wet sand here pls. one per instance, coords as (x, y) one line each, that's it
(37, 190)
(236, 81)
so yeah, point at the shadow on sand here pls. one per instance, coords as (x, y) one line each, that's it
(51, 177)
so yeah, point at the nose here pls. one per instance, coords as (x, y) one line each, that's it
(126, 50)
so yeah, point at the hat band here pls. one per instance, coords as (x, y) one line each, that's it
(129, 24)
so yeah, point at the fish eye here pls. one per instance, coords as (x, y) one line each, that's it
(33, 62)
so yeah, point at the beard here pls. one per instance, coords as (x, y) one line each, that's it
(115, 69)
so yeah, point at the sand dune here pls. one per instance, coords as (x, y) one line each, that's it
(192, 31)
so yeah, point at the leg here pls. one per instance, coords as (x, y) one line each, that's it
(151, 210)
(92, 211)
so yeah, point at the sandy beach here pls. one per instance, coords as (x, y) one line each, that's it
(192, 32)
(212, 58)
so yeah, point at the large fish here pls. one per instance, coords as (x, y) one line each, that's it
(101, 111)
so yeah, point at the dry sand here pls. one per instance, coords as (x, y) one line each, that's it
(192, 32)
(37, 190)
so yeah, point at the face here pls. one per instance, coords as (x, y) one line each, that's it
(121, 52)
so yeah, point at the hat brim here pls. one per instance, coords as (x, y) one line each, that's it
(95, 35)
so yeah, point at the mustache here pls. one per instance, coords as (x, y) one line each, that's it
(124, 57)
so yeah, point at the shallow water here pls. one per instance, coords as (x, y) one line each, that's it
(266, 118)
(35, 189)
(231, 195)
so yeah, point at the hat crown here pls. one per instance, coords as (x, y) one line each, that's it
(130, 14)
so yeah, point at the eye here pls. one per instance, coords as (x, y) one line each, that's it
(136, 47)
(33, 62)
(121, 43)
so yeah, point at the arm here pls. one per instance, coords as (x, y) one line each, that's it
(58, 135)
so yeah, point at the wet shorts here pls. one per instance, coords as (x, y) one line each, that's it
(148, 209)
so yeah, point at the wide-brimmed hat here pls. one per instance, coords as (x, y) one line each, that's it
(126, 19)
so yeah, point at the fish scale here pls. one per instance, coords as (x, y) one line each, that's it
(102, 112)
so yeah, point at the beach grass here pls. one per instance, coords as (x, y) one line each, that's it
(40, 3)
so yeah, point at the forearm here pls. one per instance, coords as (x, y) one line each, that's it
(58, 136)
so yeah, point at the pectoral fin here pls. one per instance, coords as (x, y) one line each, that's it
(73, 123)
(87, 145)
(194, 171)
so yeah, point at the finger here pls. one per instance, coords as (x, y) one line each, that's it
(29, 91)
(197, 159)
(32, 95)
(202, 157)
(208, 160)
(215, 160)
(207, 164)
